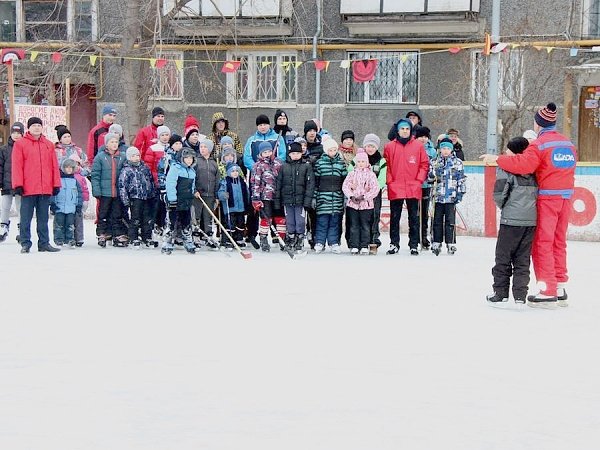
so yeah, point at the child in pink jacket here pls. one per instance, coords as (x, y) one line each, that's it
(360, 187)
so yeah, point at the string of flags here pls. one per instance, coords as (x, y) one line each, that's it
(363, 70)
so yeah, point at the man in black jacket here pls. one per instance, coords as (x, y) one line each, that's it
(16, 132)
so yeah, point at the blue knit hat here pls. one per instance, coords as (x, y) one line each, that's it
(264, 146)
(109, 109)
(231, 167)
(226, 140)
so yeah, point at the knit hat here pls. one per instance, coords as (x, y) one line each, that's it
(68, 162)
(188, 153)
(162, 130)
(372, 139)
(174, 138)
(295, 147)
(546, 116)
(209, 144)
(530, 134)
(228, 151)
(18, 127)
(262, 119)
(347, 134)
(518, 145)
(226, 141)
(131, 152)
(109, 136)
(109, 109)
(190, 125)
(300, 140)
(61, 130)
(34, 120)
(310, 125)
(231, 167)
(361, 155)
(446, 143)
(116, 128)
(279, 113)
(157, 111)
(329, 144)
(405, 123)
(422, 132)
(264, 146)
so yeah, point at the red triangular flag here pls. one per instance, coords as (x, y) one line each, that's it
(321, 65)
(56, 57)
(10, 54)
(160, 63)
(230, 66)
(363, 71)
(454, 50)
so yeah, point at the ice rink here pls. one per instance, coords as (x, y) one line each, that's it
(117, 349)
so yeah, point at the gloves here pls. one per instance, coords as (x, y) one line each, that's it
(257, 205)
(172, 206)
(55, 191)
(18, 190)
(225, 195)
(357, 198)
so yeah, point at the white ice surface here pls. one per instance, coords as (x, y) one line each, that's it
(120, 349)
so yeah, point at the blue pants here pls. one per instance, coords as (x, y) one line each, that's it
(328, 228)
(295, 219)
(63, 228)
(41, 204)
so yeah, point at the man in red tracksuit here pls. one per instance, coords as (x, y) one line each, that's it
(95, 138)
(552, 158)
(148, 136)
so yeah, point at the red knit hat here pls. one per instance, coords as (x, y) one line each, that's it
(190, 125)
(546, 116)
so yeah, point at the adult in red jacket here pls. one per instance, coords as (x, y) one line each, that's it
(552, 158)
(148, 136)
(96, 135)
(408, 165)
(35, 177)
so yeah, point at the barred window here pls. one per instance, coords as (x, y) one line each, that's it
(396, 79)
(510, 78)
(263, 78)
(167, 82)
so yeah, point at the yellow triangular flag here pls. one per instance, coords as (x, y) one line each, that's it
(179, 64)
(549, 49)
(153, 62)
(298, 64)
(265, 63)
(538, 47)
(286, 65)
(404, 57)
(93, 59)
(345, 64)
(515, 45)
(34, 55)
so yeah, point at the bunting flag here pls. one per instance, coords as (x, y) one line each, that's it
(264, 64)
(34, 55)
(538, 47)
(363, 71)
(345, 64)
(160, 63)
(321, 65)
(454, 50)
(56, 57)
(286, 65)
(298, 64)
(549, 49)
(404, 57)
(179, 64)
(153, 62)
(93, 59)
(230, 66)
(499, 47)
(515, 45)
(573, 52)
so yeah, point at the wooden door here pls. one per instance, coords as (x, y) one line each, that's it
(588, 147)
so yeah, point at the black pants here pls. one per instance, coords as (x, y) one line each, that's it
(40, 204)
(142, 219)
(180, 219)
(110, 217)
(234, 223)
(359, 224)
(444, 221)
(252, 223)
(424, 212)
(412, 204)
(160, 211)
(513, 253)
(376, 217)
(63, 228)
(311, 224)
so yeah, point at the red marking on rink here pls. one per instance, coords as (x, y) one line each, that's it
(489, 207)
(585, 217)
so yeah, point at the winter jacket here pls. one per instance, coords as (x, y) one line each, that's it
(238, 199)
(329, 177)
(195, 147)
(208, 177)
(361, 182)
(286, 133)
(314, 150)
(96, 140)
(69, 197)
(407, 167)
(145, 138)
(153, 156)
(458, 151)
(295, 184)
(34, 166)
(136, 181)
(105, 173)
(552, 158)
(448, 178)
(251, 147)
(378, 166)
(263, 178)
(516, 196)
(180, 185)
(431, 154)
(83, 184)
(163, 168)
(5, 167)
(66, 151)
(216, 136)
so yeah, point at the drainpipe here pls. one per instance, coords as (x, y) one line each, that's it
(317, 72)
(492, 124)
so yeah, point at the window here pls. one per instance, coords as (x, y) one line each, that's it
(227, 8)
(263, 78)
(167, 82)
(594, 18)
(50, 20)
(8, 21)
(407, 6)
(396, 79)
(510, 78)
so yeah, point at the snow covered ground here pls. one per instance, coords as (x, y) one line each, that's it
(122, 349)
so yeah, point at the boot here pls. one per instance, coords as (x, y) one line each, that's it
(436, 248)
(167, 246)
(264, 244)
(188, 241)
(496, 297)
(4, 231)
(18, 236)
(299, 243)
(290, 240)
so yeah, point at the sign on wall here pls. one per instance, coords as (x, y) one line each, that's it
(50, 115)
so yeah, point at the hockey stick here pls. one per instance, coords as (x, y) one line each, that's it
(245, 255)
(290, 253)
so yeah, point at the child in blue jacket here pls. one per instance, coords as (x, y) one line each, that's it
(65, 204)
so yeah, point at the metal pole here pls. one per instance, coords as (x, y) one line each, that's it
(317, 72)
(492, 125)
(11, 92)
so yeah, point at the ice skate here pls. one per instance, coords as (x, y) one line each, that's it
(562, 298)
(393, 249)
(136, 244)
(496, 298)
(319, 248)
(102, 241)
(364, 251)
(336, 248)
(451, 249)
(373, 248)
(4, 231)
(264, 244)
(354, 251)
(414, 251)
(120, 241)
(167, 246)
(436, 248)
(188, 241)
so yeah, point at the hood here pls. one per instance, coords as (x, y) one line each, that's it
(215, 118)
